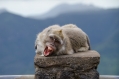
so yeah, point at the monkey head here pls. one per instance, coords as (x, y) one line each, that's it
(53, 42)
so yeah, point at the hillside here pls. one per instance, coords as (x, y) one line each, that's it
(109, 51)
(17, 36)
(66, 8)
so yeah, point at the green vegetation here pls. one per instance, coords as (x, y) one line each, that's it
(109, 51)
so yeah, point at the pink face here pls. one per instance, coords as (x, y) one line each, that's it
(52, 45)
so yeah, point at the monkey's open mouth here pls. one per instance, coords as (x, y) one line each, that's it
(48, 50)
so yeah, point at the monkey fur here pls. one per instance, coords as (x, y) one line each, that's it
(56, 40)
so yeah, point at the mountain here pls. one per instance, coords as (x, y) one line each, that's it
(3, 10)
(66, 8)
(18, 34)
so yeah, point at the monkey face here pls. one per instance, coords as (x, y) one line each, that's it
(53, 44)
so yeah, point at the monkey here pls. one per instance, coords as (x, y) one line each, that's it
(67, 39)
(54, 42)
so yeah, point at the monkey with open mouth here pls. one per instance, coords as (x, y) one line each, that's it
(56, 40)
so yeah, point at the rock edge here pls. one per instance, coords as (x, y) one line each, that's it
(82, 65)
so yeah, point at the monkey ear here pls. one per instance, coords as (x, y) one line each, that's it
(60, 31)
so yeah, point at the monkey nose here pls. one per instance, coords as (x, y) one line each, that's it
(52, 44)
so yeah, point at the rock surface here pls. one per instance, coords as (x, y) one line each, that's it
(82, 65)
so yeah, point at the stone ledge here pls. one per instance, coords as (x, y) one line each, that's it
(80, 65)
(90, 53)
(66, 59)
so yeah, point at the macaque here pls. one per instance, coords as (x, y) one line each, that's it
(56, 40)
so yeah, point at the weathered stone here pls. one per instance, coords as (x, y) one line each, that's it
(82, 65)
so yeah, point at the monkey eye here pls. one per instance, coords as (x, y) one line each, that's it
(57, 41)
(51, 38)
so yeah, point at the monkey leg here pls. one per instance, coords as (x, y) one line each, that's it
(85, 47)
(70, 52)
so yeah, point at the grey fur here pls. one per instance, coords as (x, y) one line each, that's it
(75, 40)
(78, 38)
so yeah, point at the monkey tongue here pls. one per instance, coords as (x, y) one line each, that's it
(48, 50)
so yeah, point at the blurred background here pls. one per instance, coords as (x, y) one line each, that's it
(22, 20)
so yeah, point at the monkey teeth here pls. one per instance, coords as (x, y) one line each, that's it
(48, 50)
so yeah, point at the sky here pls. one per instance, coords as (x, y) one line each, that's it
(35, 7)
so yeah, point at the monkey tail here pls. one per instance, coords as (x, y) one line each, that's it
(88, 41)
